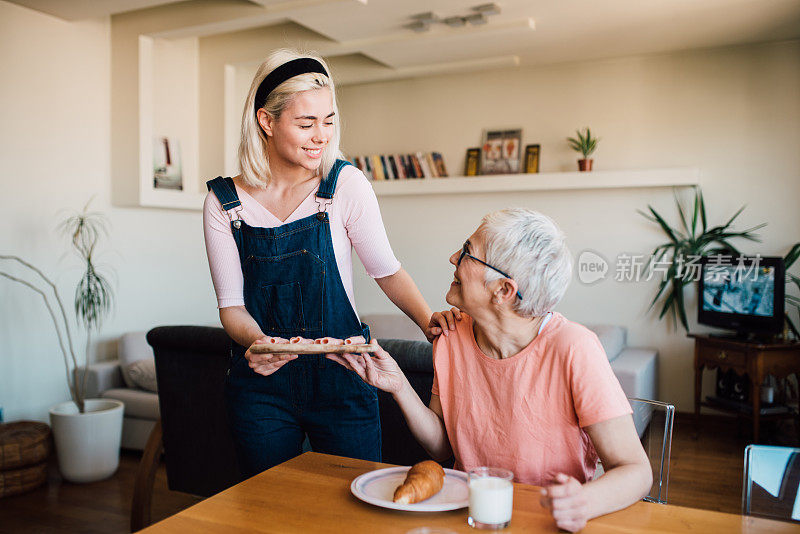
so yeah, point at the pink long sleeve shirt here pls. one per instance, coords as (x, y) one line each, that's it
(355, 223)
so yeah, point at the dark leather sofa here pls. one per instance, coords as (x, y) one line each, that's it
(191, 362)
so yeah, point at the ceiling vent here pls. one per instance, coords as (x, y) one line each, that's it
(422, 22)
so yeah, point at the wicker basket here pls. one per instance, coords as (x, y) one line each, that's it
(16, 481)
(24, 443)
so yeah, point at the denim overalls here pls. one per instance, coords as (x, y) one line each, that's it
(292, 287)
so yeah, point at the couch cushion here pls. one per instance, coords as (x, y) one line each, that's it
(132, 347)
(143, 374)
(138, 403)
(613, 338)
(411, 356)
(637, 372)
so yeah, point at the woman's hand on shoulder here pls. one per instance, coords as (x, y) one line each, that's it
(442, 322)
(567, 502)
(266, 364)
(379, 370)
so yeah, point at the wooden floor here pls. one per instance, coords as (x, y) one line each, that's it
(705, 473)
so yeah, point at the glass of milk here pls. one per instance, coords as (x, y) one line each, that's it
(491, 497)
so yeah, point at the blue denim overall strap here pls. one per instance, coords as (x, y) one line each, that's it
(292, 287)
(225, 190)
(328, 185)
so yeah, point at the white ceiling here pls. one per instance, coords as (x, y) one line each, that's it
(84, 9)
(526, 32)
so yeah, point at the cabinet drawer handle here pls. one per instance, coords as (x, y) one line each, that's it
(722, 355)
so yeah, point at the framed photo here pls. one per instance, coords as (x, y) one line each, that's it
(532, 158)
(167, 173)
(500, 153)
(473, 162)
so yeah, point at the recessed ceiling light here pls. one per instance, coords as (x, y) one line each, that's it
(487, 9)
(428, 16)
(418, 26)
(477, 18)
(455, 22)
(422, 22)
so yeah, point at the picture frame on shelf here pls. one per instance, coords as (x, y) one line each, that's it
(472, 162)
(500, 151)
(167, 172)
(438, 161)
(532, 153)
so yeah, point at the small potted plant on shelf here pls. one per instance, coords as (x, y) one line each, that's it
(586, 145)
(87, 432)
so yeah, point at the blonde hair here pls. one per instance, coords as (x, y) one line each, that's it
(253, 159)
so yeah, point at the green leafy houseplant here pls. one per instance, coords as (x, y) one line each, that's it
(93, 295)
(791, 300)
(685, 243)
(584, 142)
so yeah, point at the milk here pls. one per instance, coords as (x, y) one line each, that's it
(490, 500)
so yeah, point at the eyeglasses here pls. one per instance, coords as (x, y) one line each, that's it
(465, 252)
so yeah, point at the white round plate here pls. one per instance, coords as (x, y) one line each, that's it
(377, 487)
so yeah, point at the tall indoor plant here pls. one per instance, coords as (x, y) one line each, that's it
(686, 242)
(791, 300)
(87, 431)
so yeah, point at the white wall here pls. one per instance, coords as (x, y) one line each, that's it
(733, 113)
(54, 156)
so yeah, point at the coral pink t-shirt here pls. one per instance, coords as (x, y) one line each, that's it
(525, 413)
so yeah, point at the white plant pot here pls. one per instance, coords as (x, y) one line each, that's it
(87, 444)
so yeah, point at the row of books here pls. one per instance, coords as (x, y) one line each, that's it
(402, 166)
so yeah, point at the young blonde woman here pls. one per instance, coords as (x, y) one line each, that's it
(279, 238)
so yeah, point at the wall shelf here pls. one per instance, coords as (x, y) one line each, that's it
(546, 181)
(501, 183)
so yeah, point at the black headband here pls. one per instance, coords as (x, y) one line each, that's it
(280, 74)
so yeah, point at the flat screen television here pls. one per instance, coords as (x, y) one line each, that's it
(743, 294)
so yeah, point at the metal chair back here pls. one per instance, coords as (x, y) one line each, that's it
(771, 482)
(655, 433)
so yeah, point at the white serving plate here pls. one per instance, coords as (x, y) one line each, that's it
(377, 487)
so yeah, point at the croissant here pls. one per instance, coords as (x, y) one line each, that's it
(423, 481)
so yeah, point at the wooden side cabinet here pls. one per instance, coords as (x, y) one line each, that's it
(756, 360)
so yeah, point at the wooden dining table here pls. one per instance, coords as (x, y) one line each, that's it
(311, 493)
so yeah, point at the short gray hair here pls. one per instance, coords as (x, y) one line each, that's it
(533, 251)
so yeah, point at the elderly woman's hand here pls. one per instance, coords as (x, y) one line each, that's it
(442, 322)
(379, 370)
(567, 502)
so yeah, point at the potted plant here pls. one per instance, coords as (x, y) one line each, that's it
(687, 242)
(87, 432)
(791, 300)
(586, 145)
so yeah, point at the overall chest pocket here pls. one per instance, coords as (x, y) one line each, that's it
(284, 294)
(284, 310)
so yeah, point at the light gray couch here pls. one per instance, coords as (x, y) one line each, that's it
(636, 368)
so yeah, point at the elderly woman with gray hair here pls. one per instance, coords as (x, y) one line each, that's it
(517, 385)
